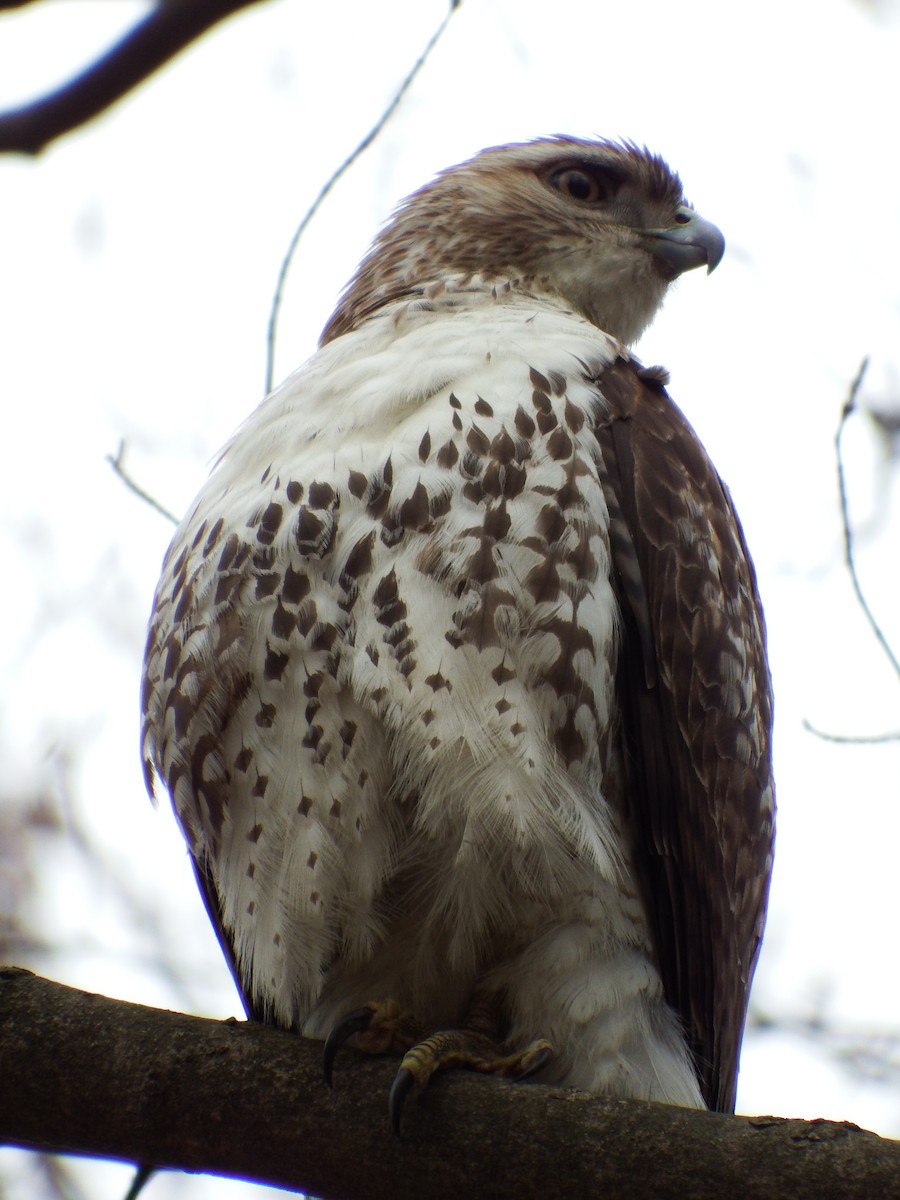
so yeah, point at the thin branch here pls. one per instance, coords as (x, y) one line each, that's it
(171, 26)
(848, 409)
(855, 739)
(341, 170)
(116, 462)
(141, 1178)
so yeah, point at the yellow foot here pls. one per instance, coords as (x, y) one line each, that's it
(467, 1049)
(381, 1028)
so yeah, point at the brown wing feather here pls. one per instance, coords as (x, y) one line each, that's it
(697, 712)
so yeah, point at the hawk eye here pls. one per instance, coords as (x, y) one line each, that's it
(584, 184)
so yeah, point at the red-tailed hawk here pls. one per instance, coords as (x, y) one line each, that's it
(456, 673)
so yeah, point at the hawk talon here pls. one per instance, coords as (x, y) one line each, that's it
(465, 1049)
(381, 1027)
(354, 1022)
(542, 1056)
(403, 1084)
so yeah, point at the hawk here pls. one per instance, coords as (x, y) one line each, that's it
(456, 672)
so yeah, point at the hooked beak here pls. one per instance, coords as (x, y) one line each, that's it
(690, 242)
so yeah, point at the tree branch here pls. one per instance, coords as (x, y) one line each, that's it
(171, 26)
(117, 462)
(87, 1075)
(847, 411)
(330, 183)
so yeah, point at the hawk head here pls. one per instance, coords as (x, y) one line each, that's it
(603, 226)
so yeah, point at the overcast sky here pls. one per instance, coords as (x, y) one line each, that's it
(137, 264)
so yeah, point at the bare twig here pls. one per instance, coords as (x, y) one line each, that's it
(168, 29)
(848, 409)
(141, 1178)
(341, 170)
(855, 739)
(116, 462)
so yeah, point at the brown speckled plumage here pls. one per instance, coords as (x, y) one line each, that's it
(456, 671)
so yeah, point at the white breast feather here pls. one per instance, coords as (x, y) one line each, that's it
(408, 764)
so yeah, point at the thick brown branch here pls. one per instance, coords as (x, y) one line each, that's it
(89, 1075)
(171, 26)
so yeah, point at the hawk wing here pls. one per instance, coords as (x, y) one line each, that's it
(696, 708)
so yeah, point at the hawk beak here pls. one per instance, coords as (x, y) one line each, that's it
(690, 242)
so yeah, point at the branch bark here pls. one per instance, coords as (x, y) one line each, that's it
(88, 1075)
(169, 28)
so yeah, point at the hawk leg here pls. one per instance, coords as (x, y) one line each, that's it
(381, 1027)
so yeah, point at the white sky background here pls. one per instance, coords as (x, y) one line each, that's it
(137, 264)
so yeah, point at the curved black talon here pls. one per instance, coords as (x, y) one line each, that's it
(354, 1022)
(540, 1060)
(400, 1089)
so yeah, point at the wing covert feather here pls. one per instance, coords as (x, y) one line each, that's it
(697, 720)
